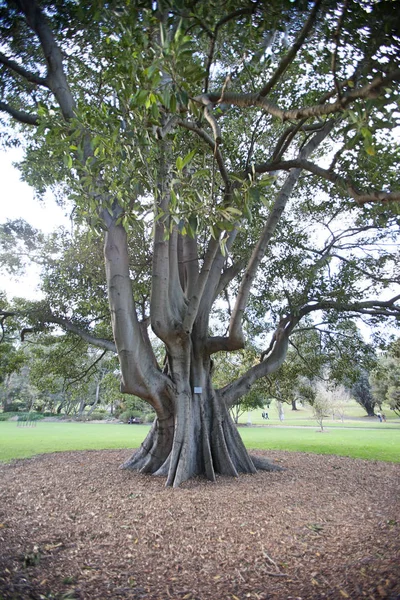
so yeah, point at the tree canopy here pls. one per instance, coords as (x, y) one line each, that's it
(240, 160)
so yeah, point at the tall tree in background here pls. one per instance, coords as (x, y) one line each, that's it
(385, 378)
(250, 146)
(362, 392)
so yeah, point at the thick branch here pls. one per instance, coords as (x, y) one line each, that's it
(66, 324)
(210, 293)
(166, 316)
(19, 115)
(275, 358)
(359, 196)
(27, 75)
(190, 264)
(56, 79)
(84, 334)
(194, 301)
(388, 308)
(371, 90)
(229, 274)
(175, 291)
(140, 372)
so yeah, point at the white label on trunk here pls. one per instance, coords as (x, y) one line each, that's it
(198, 390)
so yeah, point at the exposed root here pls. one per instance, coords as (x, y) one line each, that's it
(264, 465)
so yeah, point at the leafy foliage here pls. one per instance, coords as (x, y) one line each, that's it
(361, 390)
(385, 378)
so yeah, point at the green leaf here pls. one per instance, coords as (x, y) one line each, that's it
(188, 158)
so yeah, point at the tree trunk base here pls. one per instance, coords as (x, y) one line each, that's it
(205, 444)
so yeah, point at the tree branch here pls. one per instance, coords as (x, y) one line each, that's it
(17, 68)
(213, 36)
(387, 308)
(48, 318)
(56, 79)
(371, 90)
(19, 115)
(359, 196)
(235, 327)
(336, 37)
(90, 367)
(211, 143)
(194, 301)
(273, 360)
(291, 54)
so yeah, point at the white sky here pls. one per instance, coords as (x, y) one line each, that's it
(17, 202)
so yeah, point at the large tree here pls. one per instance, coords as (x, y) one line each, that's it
(385, 378)
(249, 145)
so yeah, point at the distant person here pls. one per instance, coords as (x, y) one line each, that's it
(383, 418)
(379, 417)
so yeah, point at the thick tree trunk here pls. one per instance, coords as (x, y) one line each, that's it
(199, 439)
(294, 407)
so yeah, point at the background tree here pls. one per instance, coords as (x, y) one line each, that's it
(12, 358)
(361, 391)
(385, 378)
(328, 400)
(317, 353)
(180, 124)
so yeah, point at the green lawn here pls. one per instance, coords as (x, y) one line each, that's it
(374, 443)
(355, 416)
(21, 442)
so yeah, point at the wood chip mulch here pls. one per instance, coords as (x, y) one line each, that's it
(73, 526)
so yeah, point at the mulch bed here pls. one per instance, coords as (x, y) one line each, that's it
(74, 526)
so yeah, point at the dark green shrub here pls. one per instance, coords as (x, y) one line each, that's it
(149, 417)
(127, 414)
(4, 416)
(96, 415)
(15, 406)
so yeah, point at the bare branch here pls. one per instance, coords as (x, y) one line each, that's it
(28, 75)
(19, 115)
(359, 196)
(208, 106)
(235, 327)
(214, 34)
(387, 308)
(90, 367)
(370, 90)
(82, 333)
(68, 325)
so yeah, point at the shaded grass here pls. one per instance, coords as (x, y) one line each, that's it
(22, 442)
